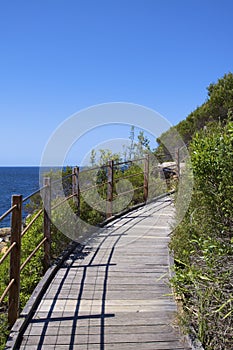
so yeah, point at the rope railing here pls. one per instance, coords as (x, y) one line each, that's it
(75, 185)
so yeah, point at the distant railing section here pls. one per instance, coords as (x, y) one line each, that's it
(105, 184)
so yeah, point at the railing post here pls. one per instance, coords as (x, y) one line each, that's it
(76, 189)
(110, 189)
(146, 178)
(16, 227)
(177, 160)
(47, 222)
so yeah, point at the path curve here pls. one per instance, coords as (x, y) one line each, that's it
(115, 293)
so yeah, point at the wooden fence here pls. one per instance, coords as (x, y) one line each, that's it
(18, 231)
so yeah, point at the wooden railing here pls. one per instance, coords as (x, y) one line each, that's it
(18, 232)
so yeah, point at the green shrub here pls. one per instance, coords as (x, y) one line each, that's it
(202, 243)
(4, 331)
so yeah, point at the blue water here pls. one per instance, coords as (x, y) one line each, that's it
(16, 180)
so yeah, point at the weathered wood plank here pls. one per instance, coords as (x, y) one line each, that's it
(115, 294)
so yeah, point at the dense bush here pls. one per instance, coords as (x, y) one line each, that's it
(217, 107)
(203, 242)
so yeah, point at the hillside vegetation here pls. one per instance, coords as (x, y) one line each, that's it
(203, 242)
(217, 108)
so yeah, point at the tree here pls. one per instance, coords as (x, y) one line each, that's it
(131, 137)
(143, 143)
(106, 155)
(221, 97)
(93, 157)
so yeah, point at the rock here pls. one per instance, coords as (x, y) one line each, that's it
(5, 231)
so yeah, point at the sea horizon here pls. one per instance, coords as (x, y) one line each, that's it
(22, 180)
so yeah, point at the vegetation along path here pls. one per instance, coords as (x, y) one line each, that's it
(114, 293)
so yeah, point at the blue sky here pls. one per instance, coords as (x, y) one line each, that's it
(61, 56)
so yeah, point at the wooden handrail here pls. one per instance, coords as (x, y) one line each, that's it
(31, 222)
(126, 192)
(32, 194)
(7, 290)
(7, 212)
(92, 187)
(7, 252)
(32, 254)
(17, 233)
(63, 201)
(129, 176)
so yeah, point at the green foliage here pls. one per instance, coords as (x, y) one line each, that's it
(217, 107)
(59, 242)
(221, 97)
(93, 157)
(212, 158)
(202, 243)
(104, 156)
(107, 155)
(89, 214)
(134, 180)
(90, 210)
(34, 203)
(4, 332)
(33, 271)
(136, 149)
(4, 280)
(168, 143)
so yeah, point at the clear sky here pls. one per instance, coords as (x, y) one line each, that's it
(60, 56)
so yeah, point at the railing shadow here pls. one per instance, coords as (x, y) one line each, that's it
(68, 267)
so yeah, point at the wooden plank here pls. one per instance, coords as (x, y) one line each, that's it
(115, 295)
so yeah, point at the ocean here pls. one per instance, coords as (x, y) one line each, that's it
(16, 180)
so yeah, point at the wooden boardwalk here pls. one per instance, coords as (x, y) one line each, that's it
(114, 294)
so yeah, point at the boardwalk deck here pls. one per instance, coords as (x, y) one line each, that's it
(114, 294)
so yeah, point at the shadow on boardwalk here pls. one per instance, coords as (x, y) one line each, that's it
(114, 293)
